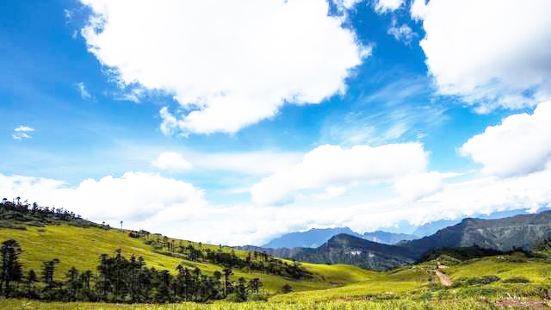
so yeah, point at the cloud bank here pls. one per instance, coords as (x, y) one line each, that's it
(501, 57)
(383, 6)
(332, 165)
(521, 144)
(228, 64)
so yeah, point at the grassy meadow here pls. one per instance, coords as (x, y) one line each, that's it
(81, 247)
(515, 280)
(405, 304)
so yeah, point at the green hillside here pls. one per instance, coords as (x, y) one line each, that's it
(475, 283)
(332, 286)
(81, 247)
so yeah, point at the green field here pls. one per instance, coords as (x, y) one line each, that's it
(332, 286)
(405, 304)
(81, 248)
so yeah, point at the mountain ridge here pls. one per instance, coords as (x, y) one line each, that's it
(519, 231)
(316, 237)
(506, 234)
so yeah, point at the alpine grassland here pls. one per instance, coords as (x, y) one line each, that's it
(81, 247)
(515, 280)
(401, 304)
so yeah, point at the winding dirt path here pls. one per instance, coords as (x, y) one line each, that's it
(444, 279)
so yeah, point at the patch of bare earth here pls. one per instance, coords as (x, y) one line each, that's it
(444, 279)
(518, 303)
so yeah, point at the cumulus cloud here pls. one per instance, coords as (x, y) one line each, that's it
(171, 161)
(418, 9)
(83, 91)
(521, 144)
(343, 5)
(133, 197)
(490, 61)
(402, 33)
(22, 132)
(177, 208)
(228, 64)
(383, 6)
(331, 165)
(480, 195)
(488, 194)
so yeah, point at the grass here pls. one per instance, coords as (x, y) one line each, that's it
(537, 271)
(81, 247)
(333, 286)
(377, 283)
(406, 304)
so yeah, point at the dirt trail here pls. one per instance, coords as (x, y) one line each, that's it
(515, 303)
(444, 279)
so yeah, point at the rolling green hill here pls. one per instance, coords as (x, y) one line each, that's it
(474, 282)
(81, 247)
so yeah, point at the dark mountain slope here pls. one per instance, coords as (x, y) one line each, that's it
(432, 227)
(506, 234)
(347, 249)
(502, 235)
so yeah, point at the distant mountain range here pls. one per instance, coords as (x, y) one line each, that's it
(346, 249)
(314, 238)
(505, 234)
(387, 237)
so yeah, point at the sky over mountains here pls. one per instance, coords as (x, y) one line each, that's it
(236, 121)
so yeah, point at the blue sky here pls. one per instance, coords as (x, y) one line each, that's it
(82, 86)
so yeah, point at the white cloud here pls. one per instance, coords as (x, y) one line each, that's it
(390, 120)
(501, 57)
(331, 165)
(132, 197)
(171, 161)
(229, 64)
(23, 128)
(83, 91)
(402, 33)
(418, 9)
(22, 132)
(521, 144)
(383, 6)
(415, 186)
(343, 5)
(169, 123)
(155, 203)
(177, 208)
(489, 194)
(252, 163)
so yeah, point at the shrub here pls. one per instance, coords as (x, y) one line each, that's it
(233, 297)
(517, 257)
(477, 280)
(516, 280)
(258, 297)
(286, 288)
